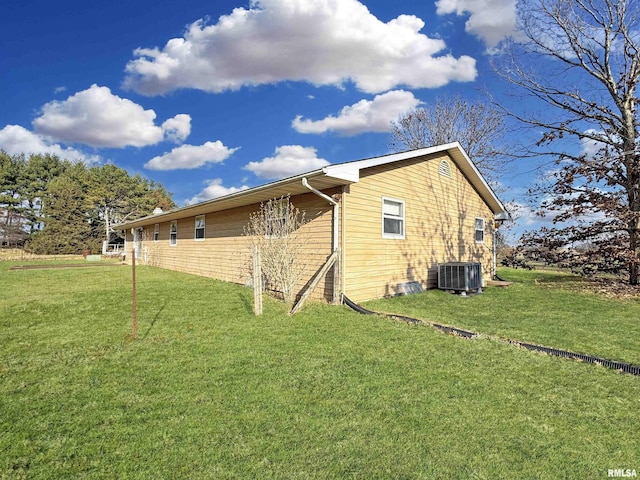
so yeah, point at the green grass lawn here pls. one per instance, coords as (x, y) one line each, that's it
(207, 390)
(549, 308)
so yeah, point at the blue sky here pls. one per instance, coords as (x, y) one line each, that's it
(211, 97)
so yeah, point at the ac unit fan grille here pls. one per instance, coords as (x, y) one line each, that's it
(460, 276)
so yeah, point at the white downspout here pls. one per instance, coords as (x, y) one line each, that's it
(334, 239)
(495, 253)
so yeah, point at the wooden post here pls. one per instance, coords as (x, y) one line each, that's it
(321, 273)
(133, 291)
(337, 276)
(257, 282)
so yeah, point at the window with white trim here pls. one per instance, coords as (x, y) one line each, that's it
(173, 233)
(199, 228)
(156, 232)
(479, 230)
(392, 218)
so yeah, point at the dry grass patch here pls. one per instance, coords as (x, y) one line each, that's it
(20, 255)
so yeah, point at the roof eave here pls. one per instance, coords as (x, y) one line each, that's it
(351, 170)
(240, 198)
(340, 174)
(465, 164)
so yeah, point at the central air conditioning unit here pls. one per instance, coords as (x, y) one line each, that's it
(460, 277)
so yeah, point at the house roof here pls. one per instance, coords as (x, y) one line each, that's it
(326, 178)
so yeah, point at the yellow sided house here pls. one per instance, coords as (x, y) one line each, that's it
(380, 222)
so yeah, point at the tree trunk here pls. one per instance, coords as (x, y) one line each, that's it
(634, 266)
(633, 196)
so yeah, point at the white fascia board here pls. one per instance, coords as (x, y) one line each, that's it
(469, 168)
(345, 172)
(202, 207)
(350, 171)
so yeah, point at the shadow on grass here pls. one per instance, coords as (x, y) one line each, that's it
(153, 322)
(247, 302)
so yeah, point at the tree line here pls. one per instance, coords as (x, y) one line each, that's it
(55, 206)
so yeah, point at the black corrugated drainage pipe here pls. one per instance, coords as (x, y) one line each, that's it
(612, 364)
(445, 328)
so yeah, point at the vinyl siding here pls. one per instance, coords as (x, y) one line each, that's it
(440, 215)
(224, 254)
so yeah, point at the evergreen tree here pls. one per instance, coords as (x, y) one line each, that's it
(68, 228)
(11, 190)
(68, 207)
(39, 171)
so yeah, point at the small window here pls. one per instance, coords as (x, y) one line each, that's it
(173, 233)
(479, 235)
(392, 218)
(444, 169)
(156, 232)
(276, 217)
(199, 233)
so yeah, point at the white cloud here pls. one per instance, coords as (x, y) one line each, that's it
(178, 128)
(490, 20)
(364, 116)
(590, 147)
(288, 160)
(214, 189)
(99, 118)
(523, 218)
(15, 140)
(191, 156)
(524, 214)
(325, 42)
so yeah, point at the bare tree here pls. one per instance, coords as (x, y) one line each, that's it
(479, 127)
(274, 231)
(588, 65)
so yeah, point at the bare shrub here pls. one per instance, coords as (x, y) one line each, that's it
(274, 231)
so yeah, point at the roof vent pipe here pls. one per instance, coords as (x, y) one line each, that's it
(334, 239)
